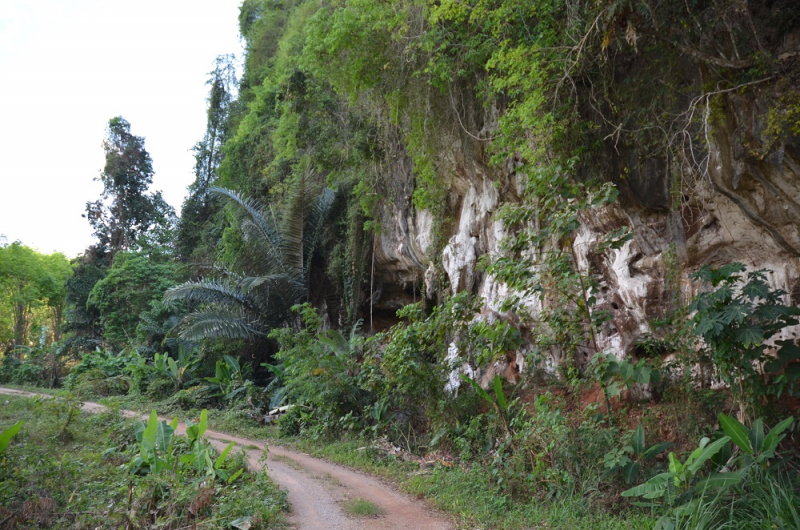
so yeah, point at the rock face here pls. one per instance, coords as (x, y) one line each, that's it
(745, 207)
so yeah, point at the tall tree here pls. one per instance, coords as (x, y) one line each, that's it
(196, 230)
(126, 210)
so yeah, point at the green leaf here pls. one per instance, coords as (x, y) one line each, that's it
(149, 433)
(163, 438)
(6, 435)
(498, 391)
(736, 431)
(203, 425)
(749, 336)
(637, 440)
(718, 480)
(641, 375)
(220, 461)
(654, 485)
(656, 449)
(756, 435)
(235, 476)
(242, 523)
(174, 423)
(709, 451)
(675, 465)
(630, 471)
(773, 437)
(172, 367)
(478, 390)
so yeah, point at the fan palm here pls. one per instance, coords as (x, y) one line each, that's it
(275, 261)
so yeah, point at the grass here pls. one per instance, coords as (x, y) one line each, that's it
(359, 507)
(289, 462)
(74, 474)
(469, 495)
(473, 498)
(466, 494)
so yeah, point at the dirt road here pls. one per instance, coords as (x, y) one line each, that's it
(317, 489)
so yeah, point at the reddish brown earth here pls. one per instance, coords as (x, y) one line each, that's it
(317, 489)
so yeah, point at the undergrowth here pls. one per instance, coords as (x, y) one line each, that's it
(72, 470)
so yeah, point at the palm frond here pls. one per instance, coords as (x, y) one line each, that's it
(294, 223)
(208, 292)
(317, 217)
(257, 226)
(276, 262)
(280, 280)
(216, 322)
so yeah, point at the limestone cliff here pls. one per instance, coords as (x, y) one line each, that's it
(736, 205)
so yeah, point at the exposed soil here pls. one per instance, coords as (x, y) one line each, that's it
(318, 489)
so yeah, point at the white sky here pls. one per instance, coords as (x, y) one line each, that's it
(67, 67)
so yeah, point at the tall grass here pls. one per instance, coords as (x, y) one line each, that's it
(765, 500)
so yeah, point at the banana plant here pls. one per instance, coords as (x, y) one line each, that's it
(228, 380)
(756, 447)
(181, 370)
(499, 402)
(628, 459)
(677, 486)
(155, 445)
(200, 457)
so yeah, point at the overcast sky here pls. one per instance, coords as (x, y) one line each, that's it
(68, 66)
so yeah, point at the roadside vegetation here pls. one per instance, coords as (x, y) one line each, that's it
(65, 468)
(254, 312)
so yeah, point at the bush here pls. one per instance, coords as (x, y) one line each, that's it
(94, 383)
(160, 387)
(29, 373)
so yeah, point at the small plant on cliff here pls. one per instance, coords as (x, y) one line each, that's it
(541, 260)
(735, 319)
(613, 374)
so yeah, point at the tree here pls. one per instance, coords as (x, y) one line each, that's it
(125, 211)
(82, 320)
(32, 290)
(196, 228)
(275, 261)
(133, 282)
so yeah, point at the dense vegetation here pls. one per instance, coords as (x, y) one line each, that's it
(257, 296)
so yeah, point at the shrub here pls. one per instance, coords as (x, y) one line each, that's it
(735, 320)
(94, 383)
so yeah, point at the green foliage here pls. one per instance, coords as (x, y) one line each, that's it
(82, 320)
(613, 374)
(159, 452)
(359, 507)
(132, 284)
(320, 372)
(757, 447)
(32, 293)
(686, 492)
(735, 319)
(155, 446)
(275, 262)
(228, 381)
(7, 434)
(180, 370)
(127, 217)
(86, 481)
(628, 459)
(198, 228)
